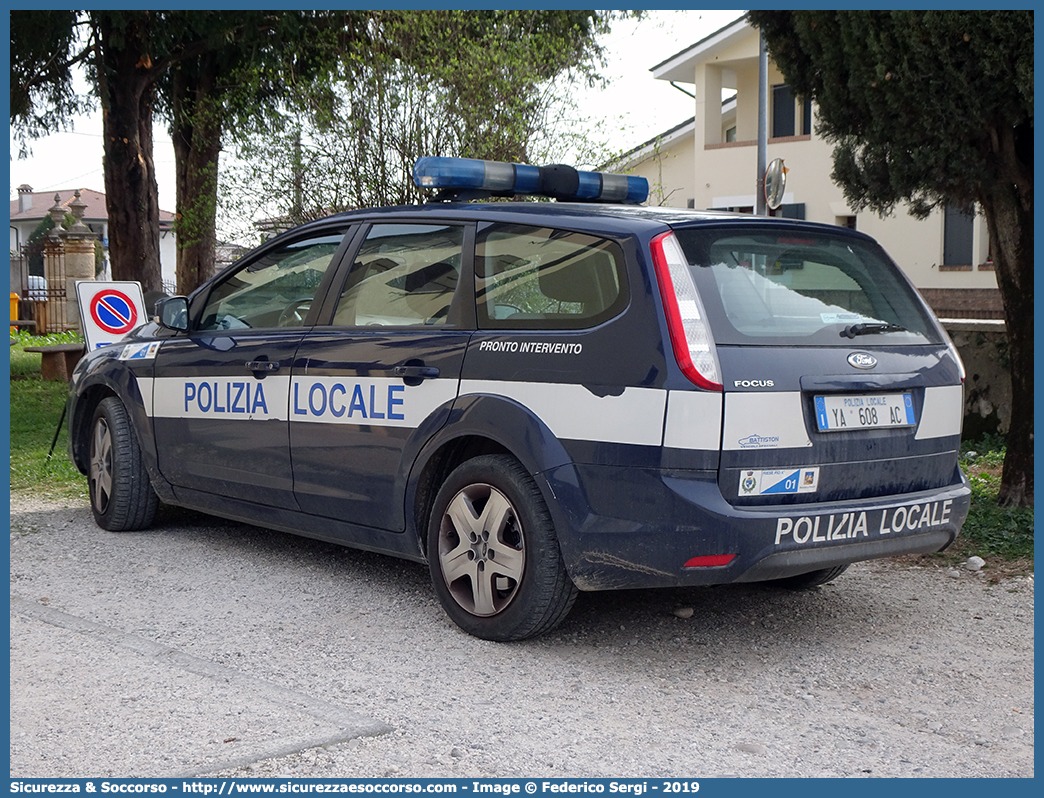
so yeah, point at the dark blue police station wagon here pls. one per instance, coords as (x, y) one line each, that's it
(540, 398)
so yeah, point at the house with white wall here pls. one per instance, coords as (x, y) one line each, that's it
(32, 207)
(710, 162)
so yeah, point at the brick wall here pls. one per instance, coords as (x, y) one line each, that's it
(964, 303)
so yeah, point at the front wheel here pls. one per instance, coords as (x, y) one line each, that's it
(493, 554)
(122, 497)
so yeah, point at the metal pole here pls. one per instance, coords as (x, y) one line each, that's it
(760, 204)
(55, 441)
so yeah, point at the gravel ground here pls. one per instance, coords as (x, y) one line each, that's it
(206, 647)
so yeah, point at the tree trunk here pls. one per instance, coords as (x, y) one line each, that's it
(1011, 237)
(127, 86)
(196, 132)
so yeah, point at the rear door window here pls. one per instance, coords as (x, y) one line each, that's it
(793, 288)
(405, 275)
(532, 278)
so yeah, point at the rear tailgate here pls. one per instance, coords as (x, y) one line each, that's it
(800, 425)
(839, 384)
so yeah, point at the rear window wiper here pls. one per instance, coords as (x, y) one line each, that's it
(852, 330)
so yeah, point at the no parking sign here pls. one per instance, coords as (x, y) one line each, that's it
(108, 311)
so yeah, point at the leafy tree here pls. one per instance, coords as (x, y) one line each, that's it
(197, 67)
(933, 108)
(251, 62)
(42, 92)
(207, 69)
(120, 53)
(126, 64)
(478, 84)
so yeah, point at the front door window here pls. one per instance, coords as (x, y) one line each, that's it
(276, 290)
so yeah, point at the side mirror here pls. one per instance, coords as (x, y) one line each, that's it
(172, 313)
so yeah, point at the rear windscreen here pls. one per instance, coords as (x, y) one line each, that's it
(801, 288)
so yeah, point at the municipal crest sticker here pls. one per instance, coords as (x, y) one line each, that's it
(748, 483)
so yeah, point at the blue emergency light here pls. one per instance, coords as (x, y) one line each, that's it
(469, 178)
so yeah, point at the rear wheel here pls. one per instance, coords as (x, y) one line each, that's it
(811, 579)
(122, 497)
(493, 554)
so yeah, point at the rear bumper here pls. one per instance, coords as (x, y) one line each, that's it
(799, 561)
(637, 528)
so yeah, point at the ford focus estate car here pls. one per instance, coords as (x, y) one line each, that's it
(539, 398)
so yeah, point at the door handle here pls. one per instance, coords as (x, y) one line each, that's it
(265, 366)
(417, 372)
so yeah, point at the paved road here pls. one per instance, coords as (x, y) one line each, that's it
(208, 647)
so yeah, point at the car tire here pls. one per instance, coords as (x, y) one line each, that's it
(493, 554)
(122, 497)
(810, 579)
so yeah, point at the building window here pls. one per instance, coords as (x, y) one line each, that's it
(730, 134)
(845, 221)
(785, 116)
(734, 208)
(958, 229)
(988, 266)
(783, 111)
(792, 211)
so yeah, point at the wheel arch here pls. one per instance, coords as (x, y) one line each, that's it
(480, 425)
(80, 416)
(94, 388)
(121, 493)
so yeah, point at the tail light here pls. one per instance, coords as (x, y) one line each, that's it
(686, 319)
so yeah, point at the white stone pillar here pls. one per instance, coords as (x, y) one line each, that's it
(79, 260)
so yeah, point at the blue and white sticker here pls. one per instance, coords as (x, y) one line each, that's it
(145, 351)
(779, 481)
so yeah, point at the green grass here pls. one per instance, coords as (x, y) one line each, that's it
(36, 407)
(992, 531)
(986, 452)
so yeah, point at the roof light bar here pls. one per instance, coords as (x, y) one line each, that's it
(468, 178)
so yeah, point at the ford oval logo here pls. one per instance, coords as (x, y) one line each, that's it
(862, 360)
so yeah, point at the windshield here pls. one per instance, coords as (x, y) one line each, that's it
(801, 288)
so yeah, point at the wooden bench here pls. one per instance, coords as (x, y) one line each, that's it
(58, 360)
